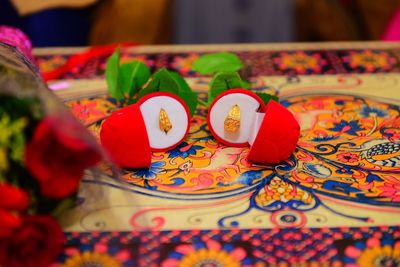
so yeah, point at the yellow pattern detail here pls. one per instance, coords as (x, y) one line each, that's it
(208, 257)
(378, 255)
(91, 259)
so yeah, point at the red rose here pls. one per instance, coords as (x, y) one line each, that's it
(12, 197)
(8, 222)
(36, 243)
(58, 154)
(12, 200)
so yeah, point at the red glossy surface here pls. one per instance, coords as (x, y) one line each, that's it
(124, 137)
(278, 135)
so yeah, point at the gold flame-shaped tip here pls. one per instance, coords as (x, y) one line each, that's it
(232, 121)
(164, 122)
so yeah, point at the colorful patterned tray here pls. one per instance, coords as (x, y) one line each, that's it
(335, 202)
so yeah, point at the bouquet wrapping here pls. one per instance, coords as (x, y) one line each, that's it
(44, 153)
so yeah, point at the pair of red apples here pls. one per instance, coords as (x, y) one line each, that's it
(237, 117)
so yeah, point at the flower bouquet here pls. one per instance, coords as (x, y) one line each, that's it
(44, 152)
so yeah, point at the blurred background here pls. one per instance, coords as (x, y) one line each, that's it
(95, 22)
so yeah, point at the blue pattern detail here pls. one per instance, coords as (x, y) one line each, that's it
(183, 150)
(350, 127)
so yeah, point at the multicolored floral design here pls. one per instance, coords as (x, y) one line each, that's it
(49, 63)
(94, 251)
(184, 150)
(369, 60)
(86, 109)
(284, 246)
(318, 166)
(391, 188)
(126, 57)
(151, 172)
(278, 190)
(351, 127)
(347, 157)
(373, 252)
(340, 154)
(367, 111)
(91, 259)
(261, 62)
(183, 63)
(208, 254)
(300, 62)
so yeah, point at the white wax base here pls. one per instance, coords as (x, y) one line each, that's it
(258, 119)
(248, 110)
(177, 114)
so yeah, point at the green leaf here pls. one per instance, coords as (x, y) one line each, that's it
(267, 97)
(152, 86)
(112, 76)
(217, 62)
(246, 85)
(132, 76)
(160, 82)
(185, 92)
(223, 81)
(167, 81)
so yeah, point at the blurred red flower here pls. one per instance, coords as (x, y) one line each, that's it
(57, 156)
(12, 200)
(36, 243)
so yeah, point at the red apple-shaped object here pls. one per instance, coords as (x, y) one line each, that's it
(277, 135)
(158, 122)
(271, 130)
(124, 137)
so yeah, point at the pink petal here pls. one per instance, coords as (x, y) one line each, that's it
(396, 198)
(386, 194)
(71, 251)
(373, 242)
(184, 249)
(392, 179)
(169, 263)
(100, 247)
(214, 245)
(387, 186)
(387, 189)
(238, 253)
(352, 252)
(123, 255)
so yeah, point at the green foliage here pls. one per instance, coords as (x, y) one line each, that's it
(223, 81)
(168, 81)
(12, 142)
(18, 117)
(217, 62)
(112, 76)
(125, 82)
(185, 92)
(267, 97)
(132, 76)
